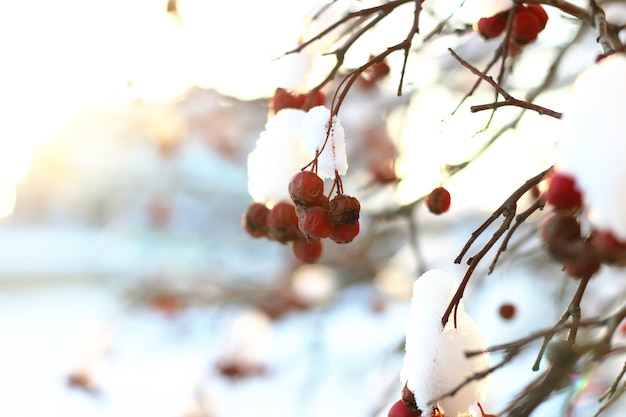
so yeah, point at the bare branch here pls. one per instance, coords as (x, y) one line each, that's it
(508, 210)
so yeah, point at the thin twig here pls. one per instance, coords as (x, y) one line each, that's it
(519, 219)
(508, 210)
(509, 100)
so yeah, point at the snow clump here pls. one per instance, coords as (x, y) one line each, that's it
(435, 361)
(593, 146)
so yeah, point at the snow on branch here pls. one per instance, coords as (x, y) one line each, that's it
(435, 360)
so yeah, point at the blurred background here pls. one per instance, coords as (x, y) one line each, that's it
(127, 286)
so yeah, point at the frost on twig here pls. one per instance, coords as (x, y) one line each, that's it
(324, 137)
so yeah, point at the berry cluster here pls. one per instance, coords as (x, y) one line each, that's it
(285, 99)
(528, 21)
(582, 254)
(320, 217)
(310, 217)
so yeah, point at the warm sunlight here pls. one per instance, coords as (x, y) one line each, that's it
(70, 56)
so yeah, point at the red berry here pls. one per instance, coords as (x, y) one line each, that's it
(254, 220)
(526, 27)
(344, 209)
(562, 192)
(307, 188)
(507, 311)
(319, 99)
(282, 222)
(314, 222)
(561, 234)
(582, 267)
(614, 250)
(345, 233)
(491, 27)
(438, 201)
(374, 73)
(283, 99)
(559, 227)
(605, 240)
(380, 70)
(399, 409)
(539, 13)
(307, 250)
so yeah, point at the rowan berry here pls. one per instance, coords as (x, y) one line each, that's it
(539, 12)
(345, 233)
(493, 26)
(562, 192)
(282, 222)
(283, 99)
(559, 227)
(399, 409)
(307, 250)
(507, 311)
(526, 27)
(344, 209)
(581, 267)
(605, 240)
(613, 249)
(307, 188)
(438, 201)
(315, 223)
(254, 220)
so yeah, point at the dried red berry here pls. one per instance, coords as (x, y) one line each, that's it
(399, 409)
(254, 220)
(526, 27)
(307, 188)
(307, 250)
(559, 227)
(605, 240)
(319, 99)
(539, 12)
(438, 201)
(613, 249)
(283, 99)
(493, 26)
(282, 222)
(314, 222)
(581, 267)
(507, 311)
(562, 192)
(374, 73)
(561, 234)
(345, 233)
(344, 209)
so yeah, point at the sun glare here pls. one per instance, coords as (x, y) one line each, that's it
(70, 56)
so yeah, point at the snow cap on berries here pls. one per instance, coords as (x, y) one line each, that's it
(592, 148)
(318, 136)
(278, 154)
(434, 361)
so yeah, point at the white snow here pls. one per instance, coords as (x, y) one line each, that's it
(318, 137)
(435, 361)
(277, 157)
(290, 141)
(592, 149)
